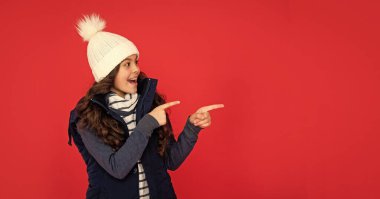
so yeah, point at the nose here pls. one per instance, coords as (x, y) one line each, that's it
(135, 69)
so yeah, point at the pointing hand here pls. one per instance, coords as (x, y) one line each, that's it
(202, 116)
(159, 112)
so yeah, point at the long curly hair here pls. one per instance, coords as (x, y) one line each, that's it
(108, 129)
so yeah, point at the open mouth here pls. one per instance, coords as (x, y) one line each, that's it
(134, 82)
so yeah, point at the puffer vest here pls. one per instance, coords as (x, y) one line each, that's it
(103, 185)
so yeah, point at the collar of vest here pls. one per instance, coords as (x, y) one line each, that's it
(146, 88)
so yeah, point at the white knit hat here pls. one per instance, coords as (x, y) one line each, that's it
(105, 50)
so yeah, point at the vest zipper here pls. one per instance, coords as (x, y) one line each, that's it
(143, 97)
(146, 91)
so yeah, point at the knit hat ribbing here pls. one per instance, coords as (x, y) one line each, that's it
(105, 50)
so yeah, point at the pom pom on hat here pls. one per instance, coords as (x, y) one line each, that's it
(89, 26)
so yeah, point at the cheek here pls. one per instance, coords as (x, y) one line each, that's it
(117, 83)
(124, 74)
(120, 81)
(127, 73)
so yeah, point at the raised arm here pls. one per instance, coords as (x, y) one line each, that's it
(119, 163)
(178, 150)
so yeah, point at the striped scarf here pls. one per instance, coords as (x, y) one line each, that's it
(126, 108)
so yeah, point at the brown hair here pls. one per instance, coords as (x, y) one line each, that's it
(108, 129)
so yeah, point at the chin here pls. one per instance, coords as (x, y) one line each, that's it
(132, 91)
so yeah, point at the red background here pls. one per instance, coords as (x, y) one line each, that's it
(299, 81)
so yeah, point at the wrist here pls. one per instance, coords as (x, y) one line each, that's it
(191, 125)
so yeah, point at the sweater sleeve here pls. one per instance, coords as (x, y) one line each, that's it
(179, 150)
(119, 163)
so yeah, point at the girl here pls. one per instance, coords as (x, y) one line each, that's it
(121, 127)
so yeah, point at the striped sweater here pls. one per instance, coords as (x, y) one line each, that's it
(126, 108)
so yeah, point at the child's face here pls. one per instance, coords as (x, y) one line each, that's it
(126, 77)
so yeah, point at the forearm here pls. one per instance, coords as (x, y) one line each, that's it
(179, 150)
(119, 163)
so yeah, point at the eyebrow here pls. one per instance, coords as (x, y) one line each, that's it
(129, 59)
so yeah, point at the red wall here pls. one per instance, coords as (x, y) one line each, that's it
(299, 81)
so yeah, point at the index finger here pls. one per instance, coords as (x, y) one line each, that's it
(167, 105)
(210, 107)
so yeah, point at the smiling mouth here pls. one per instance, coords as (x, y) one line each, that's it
(134, 82)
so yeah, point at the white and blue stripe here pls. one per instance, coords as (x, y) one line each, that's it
(126, 108)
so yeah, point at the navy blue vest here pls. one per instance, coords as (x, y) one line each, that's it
(102, 184)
